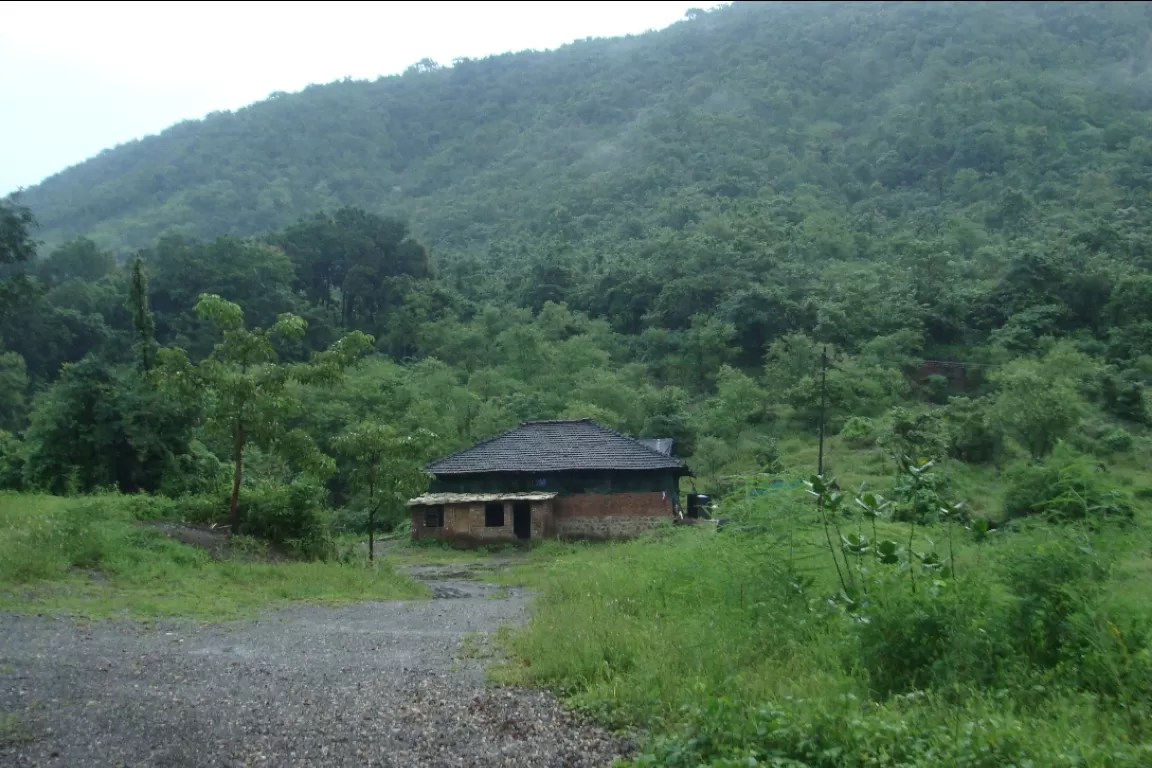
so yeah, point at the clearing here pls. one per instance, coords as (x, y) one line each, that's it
(396, 683)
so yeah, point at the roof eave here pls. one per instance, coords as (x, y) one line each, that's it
(680, 469)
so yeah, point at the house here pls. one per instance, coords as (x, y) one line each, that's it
(544, 479)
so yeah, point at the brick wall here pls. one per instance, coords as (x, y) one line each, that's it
(581, 516)
(611, 515)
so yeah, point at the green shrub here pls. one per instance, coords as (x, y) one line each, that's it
(1066, 488)
(11, 462)
(915, 731)
(1115, 440)
(859, 432)
(764, 450)
(201, 509)
(1049, 583)
(934, 637)
(936, 389)
(194, 473)
(920, 435)
(144, 507)
(975, 438)
(290, 515)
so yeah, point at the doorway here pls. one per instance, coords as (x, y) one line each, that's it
(522, 519)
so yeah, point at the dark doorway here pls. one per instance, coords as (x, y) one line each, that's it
(522, 520)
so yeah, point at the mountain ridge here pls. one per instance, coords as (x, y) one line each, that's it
(524, 142)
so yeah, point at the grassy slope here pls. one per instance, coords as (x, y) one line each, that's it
(693, 627)
(87, 557)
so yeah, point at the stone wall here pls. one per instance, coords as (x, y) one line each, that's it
(611, 515)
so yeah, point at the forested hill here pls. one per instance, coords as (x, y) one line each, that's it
(795, 113)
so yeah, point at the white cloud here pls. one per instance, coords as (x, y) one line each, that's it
(77, 77)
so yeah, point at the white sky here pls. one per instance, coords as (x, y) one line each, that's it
(78, 77)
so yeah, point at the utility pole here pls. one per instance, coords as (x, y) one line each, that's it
(823, 397)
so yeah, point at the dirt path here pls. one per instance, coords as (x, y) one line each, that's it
(374, 684)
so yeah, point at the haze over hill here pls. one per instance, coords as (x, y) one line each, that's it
(853, 103)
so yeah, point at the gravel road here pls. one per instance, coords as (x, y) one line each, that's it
(373, 684)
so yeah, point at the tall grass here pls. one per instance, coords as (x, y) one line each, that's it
(730, 646)
(91, 557)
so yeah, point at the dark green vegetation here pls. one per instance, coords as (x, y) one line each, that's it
(662, 233)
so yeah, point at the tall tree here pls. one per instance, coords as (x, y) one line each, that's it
(250, 397)
(16, 249)
(142, 320)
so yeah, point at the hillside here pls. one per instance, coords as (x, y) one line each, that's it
(867, 110)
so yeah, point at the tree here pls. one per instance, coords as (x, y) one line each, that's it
(250, 397)
(1037, 407)
(16, 248)
(13, 387)
(80, 259)
(386, 467)
(142, 320)
(100, 425)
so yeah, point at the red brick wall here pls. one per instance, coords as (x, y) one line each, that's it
(646, 504)
(611, 515)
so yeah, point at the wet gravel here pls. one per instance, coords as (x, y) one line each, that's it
(373, 684)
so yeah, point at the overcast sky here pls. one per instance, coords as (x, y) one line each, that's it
(78, 77)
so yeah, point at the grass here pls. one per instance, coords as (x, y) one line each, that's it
(725, 645)
(14, 731)
(88, 557)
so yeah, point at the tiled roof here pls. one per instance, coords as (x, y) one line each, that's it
(434, 499)
(556, 446)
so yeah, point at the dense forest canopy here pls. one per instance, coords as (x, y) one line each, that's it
(661, 232)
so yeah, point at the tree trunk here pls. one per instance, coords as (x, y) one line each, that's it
(237, 476)
(372, 522)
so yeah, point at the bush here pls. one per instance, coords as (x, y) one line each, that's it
(975, 438)
(920, 435)
(1115, 440)
(859, 432)
(936, 389)
(1049, 584)
(193, 473)
(1067, 488)
(290, 515)
(915, 731)
(201, 509)
(764, 450)
(934, 637)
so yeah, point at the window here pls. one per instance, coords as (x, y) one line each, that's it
(434, 517)
(494, 515)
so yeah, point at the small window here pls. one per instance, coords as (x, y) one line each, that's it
(434, 517)
(494, 515)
